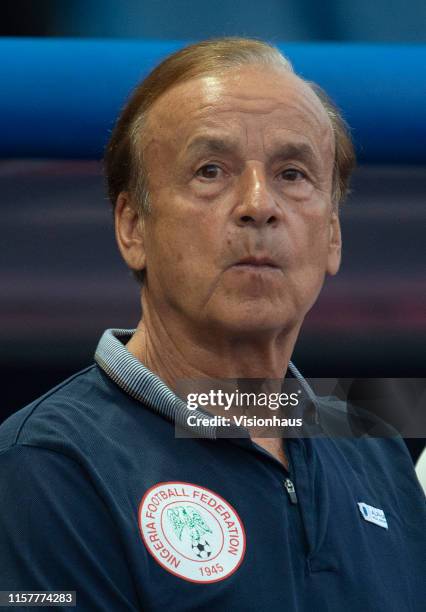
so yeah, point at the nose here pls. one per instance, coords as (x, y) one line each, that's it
(256, 204)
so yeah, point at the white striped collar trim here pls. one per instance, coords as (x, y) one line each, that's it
(140, 383)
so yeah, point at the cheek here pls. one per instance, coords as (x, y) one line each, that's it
(318, 234)
(310, 233)
(182, 244)
(308, 261)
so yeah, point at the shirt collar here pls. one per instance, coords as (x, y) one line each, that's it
(143, 385)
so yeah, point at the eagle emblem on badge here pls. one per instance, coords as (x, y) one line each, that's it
(188, 519)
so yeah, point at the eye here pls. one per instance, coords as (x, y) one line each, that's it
(292, 175)
(209, 171)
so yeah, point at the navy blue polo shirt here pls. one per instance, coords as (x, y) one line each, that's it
(99, 496)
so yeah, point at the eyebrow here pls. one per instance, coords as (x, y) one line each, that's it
(301, 151)
(292, 150)
(211, 144)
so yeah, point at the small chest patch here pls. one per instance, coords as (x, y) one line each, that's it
(191, 531)
(373, 515)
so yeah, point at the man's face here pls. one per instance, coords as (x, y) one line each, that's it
(242, 229)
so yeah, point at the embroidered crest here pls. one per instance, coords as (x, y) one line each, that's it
(191, 531)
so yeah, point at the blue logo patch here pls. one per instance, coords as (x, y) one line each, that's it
(373, 515)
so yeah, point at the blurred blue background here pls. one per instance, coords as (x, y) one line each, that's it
(62, 276)
(276, 20)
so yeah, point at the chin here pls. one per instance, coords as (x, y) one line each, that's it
(253, 319)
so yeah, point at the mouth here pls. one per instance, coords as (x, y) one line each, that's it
(257, 263)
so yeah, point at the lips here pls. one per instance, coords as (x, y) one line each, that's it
(257, 262)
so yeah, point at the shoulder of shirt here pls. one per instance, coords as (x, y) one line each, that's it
(371, 436)
(59, 417)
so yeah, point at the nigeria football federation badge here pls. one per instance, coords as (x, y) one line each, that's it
(191, 532)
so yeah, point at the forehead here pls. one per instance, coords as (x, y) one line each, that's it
(256, 104)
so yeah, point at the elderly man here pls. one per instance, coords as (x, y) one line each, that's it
(225, 171)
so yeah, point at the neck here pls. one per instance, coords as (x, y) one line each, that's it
(171, 349)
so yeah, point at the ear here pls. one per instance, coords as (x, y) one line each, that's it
(129, 232)
(334, 245)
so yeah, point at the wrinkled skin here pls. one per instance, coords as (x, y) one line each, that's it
(240, 165)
